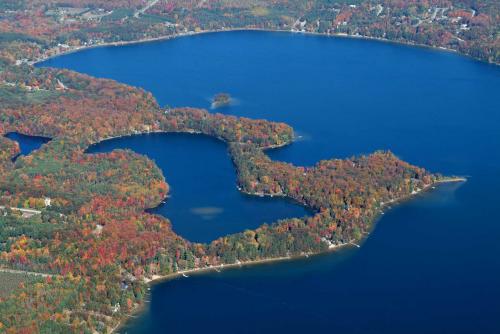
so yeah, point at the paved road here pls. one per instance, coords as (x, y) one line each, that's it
(144, 9)
(12, 271)
(27, 213)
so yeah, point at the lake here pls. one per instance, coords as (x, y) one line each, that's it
(204, 203)
(430, 266)
(27, 144)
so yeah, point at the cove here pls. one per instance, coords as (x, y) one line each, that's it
(27, 144)
(402, 280)
(430, 266)
(204, 203)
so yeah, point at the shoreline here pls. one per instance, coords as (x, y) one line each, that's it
(202, 32)
(451, 179)
(158, 279)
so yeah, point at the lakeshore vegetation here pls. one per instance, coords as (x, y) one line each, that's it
(96, 241)
(93, 240)
(33, 29)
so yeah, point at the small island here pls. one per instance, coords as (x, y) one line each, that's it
(78, 246)
(102, 238)
(221, 100)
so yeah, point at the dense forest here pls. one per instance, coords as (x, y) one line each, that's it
(95, 235)
(80, 259)
(33, 29)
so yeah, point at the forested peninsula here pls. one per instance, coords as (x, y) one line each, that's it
(95, 240)
(84, 256)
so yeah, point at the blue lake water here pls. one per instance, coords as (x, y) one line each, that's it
(204, 203)
(27, 144)
(430, 266)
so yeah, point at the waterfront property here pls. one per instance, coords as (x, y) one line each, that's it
(430, 265)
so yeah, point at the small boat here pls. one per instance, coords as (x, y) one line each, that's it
(184, 275)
